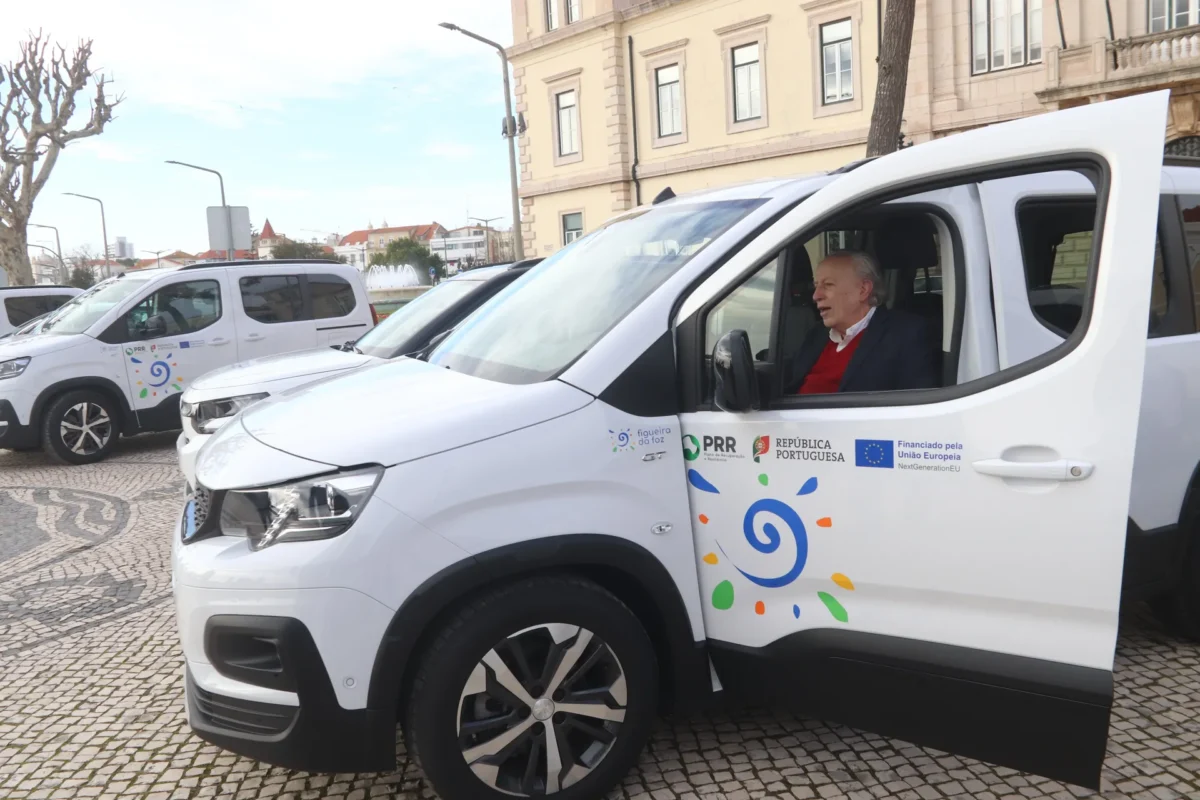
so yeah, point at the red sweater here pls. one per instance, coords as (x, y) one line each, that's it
(826, 374)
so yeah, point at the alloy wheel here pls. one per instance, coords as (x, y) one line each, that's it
(541, 710)
(86, 428)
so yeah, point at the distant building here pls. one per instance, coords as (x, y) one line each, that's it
(268, 240)
(122, 248)
(176, 259)
(473, 244)
(359, 246)
(223, 255)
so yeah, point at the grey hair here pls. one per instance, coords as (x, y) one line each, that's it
(866, 266)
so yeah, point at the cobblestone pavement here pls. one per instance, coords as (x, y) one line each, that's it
(91, 691)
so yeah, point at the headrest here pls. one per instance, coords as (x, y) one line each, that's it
(802, 268)
(906, 243)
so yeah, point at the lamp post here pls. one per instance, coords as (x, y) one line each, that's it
(157, 256)
(62, 265)
(510, 133)
(230, 253)
(103, 229)
(487, 234)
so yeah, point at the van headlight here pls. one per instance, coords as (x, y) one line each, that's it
(13, 368)
(209, 415)
(301, 511)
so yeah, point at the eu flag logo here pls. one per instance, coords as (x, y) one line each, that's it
(875, 453)
(184, 345)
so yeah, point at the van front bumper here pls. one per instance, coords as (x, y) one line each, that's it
(315, 734)
(12, 433)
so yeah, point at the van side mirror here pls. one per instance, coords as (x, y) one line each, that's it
(735, 384)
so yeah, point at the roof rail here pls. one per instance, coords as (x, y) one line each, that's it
(266, 262)
(38, 286)
(1181, 161)
(853, 165)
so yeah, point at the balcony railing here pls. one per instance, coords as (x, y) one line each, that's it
(1155, 53)
(1138, 63)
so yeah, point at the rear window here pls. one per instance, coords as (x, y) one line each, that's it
(331, 296)
(272, 298)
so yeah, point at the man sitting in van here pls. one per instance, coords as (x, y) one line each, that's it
(862, 347)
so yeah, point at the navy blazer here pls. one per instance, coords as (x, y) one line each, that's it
(896, 351)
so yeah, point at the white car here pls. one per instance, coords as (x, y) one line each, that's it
(217, 397)
(21, 304)
(115, 359)
(572, 517)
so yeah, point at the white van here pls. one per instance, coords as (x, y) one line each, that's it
(217, 397)
(115, 359)
(594, 502)
(21, 304)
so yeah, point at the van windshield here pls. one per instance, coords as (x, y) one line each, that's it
(537, 327)
(393, 336)
(85, 309)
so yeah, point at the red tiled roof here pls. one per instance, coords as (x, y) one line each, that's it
(354, 237)
(267, 232)
(415, 231)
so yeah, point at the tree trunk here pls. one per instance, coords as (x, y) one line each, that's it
(893, 77)
(14, 255)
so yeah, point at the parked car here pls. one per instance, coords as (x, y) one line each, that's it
(20, 304)
(592, 502)
(218, 396)
(115, 360)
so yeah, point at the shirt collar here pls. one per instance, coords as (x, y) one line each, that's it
(854, 330)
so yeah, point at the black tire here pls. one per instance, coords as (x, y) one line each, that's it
(98, 439)
(482, 628)
(1180, 610)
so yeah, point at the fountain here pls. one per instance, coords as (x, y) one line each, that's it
(384, 277)
(390, 287)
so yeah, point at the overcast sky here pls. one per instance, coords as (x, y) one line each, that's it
(320, 116)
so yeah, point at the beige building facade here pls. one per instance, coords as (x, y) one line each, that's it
(623, 98)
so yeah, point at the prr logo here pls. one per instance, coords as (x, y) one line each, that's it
(691, 448)
(762, 446)
(720, 444)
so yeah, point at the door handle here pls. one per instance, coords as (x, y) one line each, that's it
(1060, 470)
(220, 340)
(254, 337)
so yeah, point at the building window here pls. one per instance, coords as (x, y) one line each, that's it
(670, 112)
(574, 10)
(1167, 14)
(572, 227)
(568, 123)
(747, 83)
(836, 60)
(551, 15)
(1005, 33)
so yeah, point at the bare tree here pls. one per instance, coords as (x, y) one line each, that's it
(894, 48)
(37, 102)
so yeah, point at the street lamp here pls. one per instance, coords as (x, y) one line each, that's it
(487, 234)
(157, 256)
(230, 254)
(103, 229)
(62, 265)
(510, 133)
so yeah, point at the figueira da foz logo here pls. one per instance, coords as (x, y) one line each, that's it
(762, 446)
(773, 550)
(158, 378)
(621, 440)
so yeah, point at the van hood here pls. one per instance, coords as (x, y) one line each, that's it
(40, 344)
(287, 366)
(399, 411)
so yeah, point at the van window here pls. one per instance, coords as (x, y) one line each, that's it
(272, 298)
(174, 310)
(331, 296)
(748, 307)
(573, 298)
(1189, 205)
(22, 309)
(1056, 245)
